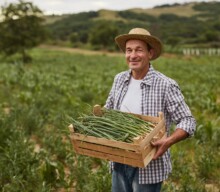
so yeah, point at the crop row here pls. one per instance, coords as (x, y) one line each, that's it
(35, 151)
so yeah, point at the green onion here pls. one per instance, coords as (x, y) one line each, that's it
(113, 125)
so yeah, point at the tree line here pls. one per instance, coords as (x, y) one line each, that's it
(203, 28)
(23, 27)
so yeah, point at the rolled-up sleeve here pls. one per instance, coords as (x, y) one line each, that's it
(179, 110)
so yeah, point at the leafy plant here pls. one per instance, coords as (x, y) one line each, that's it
(36, 153)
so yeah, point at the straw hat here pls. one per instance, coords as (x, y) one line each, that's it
(140, 34)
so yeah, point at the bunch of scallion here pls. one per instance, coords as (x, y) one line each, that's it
(113, 125)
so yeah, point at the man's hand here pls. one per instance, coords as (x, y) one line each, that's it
(162, 145)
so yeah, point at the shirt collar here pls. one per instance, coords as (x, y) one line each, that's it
(127, 76)
(149, 76)
(146, 80)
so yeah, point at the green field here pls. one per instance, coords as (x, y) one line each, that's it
(35, 151)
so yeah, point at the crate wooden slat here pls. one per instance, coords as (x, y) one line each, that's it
(137, 154)
(103, 141)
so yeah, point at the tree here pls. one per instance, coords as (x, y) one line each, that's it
(173, 41)
(212, 36)
(103, 35)
(21, 28)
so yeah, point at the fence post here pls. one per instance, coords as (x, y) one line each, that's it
(203, 51)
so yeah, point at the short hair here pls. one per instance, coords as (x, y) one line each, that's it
(149, 47)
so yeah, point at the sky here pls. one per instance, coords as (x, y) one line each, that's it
(76, 6)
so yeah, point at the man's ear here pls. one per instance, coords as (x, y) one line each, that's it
(151, 53)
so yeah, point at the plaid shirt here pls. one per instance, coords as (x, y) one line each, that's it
(159, 94)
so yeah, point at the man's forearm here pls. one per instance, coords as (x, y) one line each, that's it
(176, 136)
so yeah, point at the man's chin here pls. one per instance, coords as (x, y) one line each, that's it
(133, 67)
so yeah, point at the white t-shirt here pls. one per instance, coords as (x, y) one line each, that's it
(132, 99)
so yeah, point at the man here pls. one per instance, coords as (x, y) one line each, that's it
(145, 91)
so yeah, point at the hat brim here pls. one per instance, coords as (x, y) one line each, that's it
(153, 41)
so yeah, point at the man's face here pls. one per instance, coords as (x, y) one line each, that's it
(137, 55)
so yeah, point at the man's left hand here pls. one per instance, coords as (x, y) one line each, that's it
(162, 146)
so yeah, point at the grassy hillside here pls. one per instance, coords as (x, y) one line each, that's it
(49, 19)
(176, 25)
(185, 10)
(109, 15)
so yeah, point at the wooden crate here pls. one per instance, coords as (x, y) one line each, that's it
(137, 154)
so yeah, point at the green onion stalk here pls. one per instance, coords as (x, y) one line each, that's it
(113, 125)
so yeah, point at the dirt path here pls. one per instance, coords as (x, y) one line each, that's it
(81, 51)
(91, 52)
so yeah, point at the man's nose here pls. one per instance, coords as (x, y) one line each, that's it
(133, 54)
